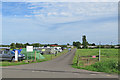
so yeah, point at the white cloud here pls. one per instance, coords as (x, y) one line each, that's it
(80, 10)
(65, 14)
(28, 16)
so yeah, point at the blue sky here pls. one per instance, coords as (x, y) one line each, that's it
(59, 22)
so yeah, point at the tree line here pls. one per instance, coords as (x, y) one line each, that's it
(85, 44)
(21, 45)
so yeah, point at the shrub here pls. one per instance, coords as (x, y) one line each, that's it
(109, 66)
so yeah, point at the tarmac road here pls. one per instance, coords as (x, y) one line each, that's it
(56, 68)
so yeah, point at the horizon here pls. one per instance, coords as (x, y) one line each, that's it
(60, 23)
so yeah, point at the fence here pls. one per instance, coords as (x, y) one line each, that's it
(86, 60)
(31, 55)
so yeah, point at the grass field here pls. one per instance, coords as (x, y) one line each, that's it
(108, 62)
(47, 57)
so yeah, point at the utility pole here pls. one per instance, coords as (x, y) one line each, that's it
(111, 44)
(99, 50)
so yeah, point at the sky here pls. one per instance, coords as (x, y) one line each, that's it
(59, 22)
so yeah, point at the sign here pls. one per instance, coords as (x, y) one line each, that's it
(29, 49)
(43, 49)
(16, 55)
(93, 56)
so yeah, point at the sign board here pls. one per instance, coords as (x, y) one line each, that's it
(29, 48)
(43, 49)
(93, 56)
(16, 55)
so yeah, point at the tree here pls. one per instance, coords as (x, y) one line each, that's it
(68, 44)
(93, 44)
(12, 45)
(74, 43)
(26, 44)
(19, 45)
(36, 44)
(77, 44)
(85, 43)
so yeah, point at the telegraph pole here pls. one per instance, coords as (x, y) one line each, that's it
(99, 50)
(111, 44)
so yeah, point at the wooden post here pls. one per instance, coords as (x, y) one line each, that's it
(78, 58)
(35, 55)
(51, 56)
(31, 56)
(88, 61)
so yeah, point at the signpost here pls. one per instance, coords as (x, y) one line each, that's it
(29, 49)
(35, 55)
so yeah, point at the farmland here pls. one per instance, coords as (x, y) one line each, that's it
(108, 62)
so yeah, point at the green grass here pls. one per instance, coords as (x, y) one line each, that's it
(47, 57)
(108, 63)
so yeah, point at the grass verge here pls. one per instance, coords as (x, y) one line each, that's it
(108, 63)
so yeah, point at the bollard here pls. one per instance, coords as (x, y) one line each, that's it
(16, 56)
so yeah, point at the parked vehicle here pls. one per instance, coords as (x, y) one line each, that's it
(59, 49)
(8, 55)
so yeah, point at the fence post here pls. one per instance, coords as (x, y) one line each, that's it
(88, 61)
(78, 58)
(31, 56)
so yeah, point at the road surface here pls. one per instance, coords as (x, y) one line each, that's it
(56, 68)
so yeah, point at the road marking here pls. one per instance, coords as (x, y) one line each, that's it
(108, 75)
(35, 71)
(92, 74)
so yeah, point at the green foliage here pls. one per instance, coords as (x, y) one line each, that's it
(77, 44)
(109, 66)
(19, 45)
(35, 44)
(68, 44)
(12, 45)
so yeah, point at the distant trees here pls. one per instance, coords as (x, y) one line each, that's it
(12, 45)
(19, 45)
(77, 44)
(93, 44)
(84, 43)
(35, 44)
(68, 44)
